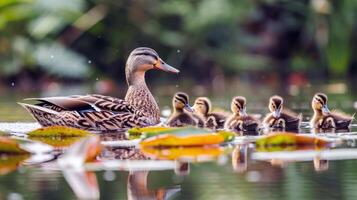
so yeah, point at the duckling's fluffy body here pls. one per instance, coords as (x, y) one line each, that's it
(325, 119)
(240, 120)
(241, 123)
(212, 120)
(279, 118)
(182, 114)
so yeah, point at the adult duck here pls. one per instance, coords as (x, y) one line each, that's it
(103, 113)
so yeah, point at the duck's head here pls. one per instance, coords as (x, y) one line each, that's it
(202, 105)
(180, 102)
(238, 106)
(143, 59)
(319, 103)
(276, 105)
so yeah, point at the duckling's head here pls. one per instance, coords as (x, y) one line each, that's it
(202, 105)
(238, 106)
(141, 60)
(276, 105)
(180, 102)
(319, 103)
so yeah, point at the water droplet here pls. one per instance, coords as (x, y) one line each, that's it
(109, 176)
(97, 79)
(89, 61)
(14, 196)
(52, 56)
(178, 51)
(253, 176)
(12, 84)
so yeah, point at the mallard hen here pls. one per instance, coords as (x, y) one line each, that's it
(103, 113)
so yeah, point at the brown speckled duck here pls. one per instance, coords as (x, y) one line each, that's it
(279, 118)
(324, 118)
(103, 113)
(240, 120)
(182, 112)
(213, 120)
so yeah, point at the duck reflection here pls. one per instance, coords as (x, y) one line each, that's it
(137, 188)
(330, 130)
(240, 158)
(83, 183)
(182, 168)
(254, 171)
(320, 164)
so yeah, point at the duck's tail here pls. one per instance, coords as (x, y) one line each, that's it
(44, 116)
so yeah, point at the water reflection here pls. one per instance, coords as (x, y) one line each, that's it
(9, 163)
(137, 186)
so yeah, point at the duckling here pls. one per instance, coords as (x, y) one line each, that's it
(279, 118)
(183, 114)
(240, 120)
(213, 120)
(324, 118)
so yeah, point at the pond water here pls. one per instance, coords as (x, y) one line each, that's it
(241, 173)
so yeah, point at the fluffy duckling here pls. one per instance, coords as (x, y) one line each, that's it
(240, 120)
(324, 118)
(213, 120)
(183, 114)
(277, 118)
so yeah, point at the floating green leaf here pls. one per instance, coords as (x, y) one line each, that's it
(58, 131)
(10, 146)
(288, 141)
(186, 137)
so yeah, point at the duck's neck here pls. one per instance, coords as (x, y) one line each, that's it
(317, 113)
(178, 110)
(139, 95)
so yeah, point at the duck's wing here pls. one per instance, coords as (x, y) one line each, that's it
(86, 119)
(290, 117)
(86, 103)
(89, 112)
(341, 120)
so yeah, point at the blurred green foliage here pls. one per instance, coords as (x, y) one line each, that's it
(74, 38)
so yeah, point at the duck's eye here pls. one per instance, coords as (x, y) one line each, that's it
(157, 63)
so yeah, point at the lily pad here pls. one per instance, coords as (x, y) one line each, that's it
(10, 163)
(180, 132)
(135, 133)
(187, 153)
(289, 141)
(10, 146)
(187, 136)
(58, 131)
(58, 142)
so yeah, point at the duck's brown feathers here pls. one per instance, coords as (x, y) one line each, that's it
(181, 119)
(89, 112)
(215, 120)
(287, 120)
(241, 123)
(334, 119)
